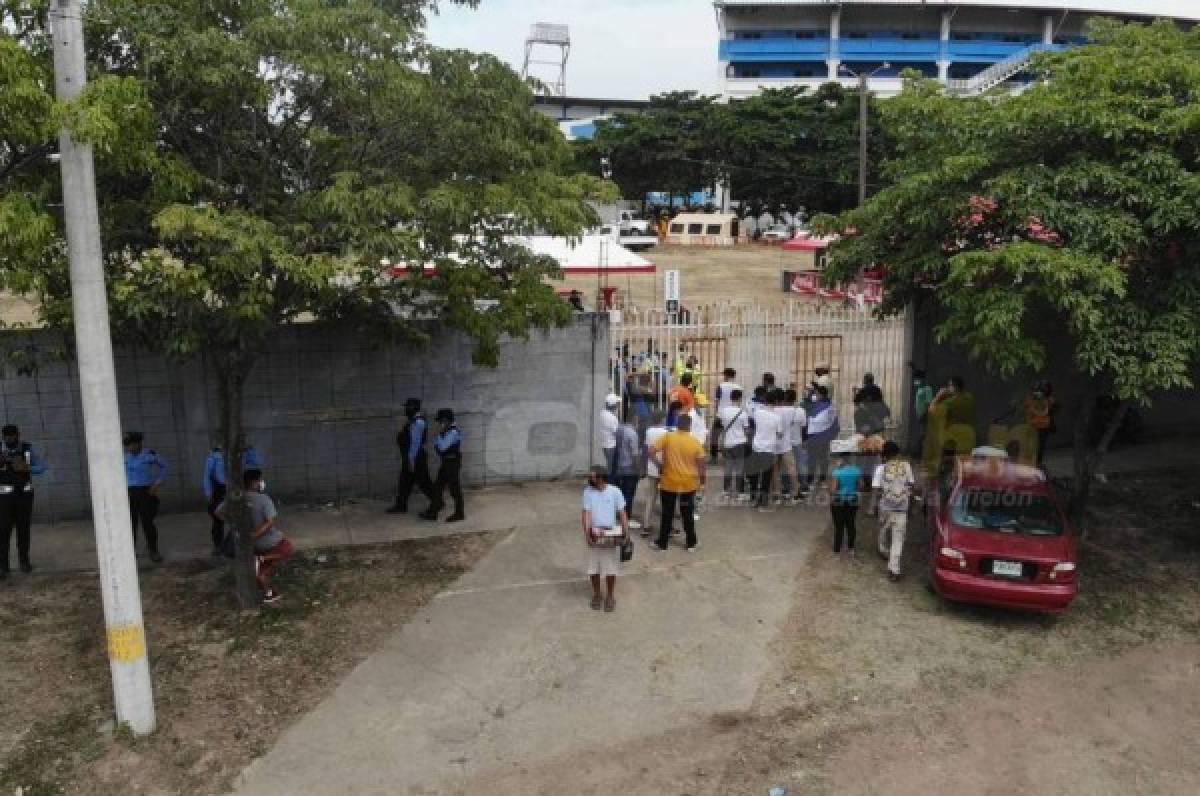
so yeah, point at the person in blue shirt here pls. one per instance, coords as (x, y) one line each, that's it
(18, 464)
(448, 445)
(845, 482)
(145, 471)
(414, 463)
(214, 487)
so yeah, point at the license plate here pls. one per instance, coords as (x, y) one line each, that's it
(1012, 569)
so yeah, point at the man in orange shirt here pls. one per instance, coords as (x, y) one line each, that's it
(682, 462)
(682, 392)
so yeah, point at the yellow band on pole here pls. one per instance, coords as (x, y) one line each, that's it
(126, 643)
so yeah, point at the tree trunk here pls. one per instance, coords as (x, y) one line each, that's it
(231, 380)
(1088, 458)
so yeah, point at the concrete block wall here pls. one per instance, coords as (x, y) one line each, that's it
(323, 409)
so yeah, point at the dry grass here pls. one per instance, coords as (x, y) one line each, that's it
(226, 683)
(741, 274)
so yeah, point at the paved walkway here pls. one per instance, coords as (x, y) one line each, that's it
(510, 667)
(71, 546)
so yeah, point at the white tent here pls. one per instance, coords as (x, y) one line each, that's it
(590, 255)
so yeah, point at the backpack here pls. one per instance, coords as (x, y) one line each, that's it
(895, 490)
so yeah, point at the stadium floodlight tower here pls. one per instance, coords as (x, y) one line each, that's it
(543, 36)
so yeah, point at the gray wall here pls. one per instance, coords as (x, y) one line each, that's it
(323, 409)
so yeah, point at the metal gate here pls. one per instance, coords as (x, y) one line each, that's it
(651, 347)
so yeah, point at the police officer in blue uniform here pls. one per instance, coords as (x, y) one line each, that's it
(214, 487)
(414, 464)
(448, 445)
(18, 465)
(145, 471)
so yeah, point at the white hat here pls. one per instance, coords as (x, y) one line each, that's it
(612, 400)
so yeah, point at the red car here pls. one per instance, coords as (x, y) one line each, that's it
(998, 536)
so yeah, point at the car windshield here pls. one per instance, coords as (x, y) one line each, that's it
(1008, 511)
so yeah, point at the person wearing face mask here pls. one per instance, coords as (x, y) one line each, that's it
(18, 464)
(414, 462)
(145, 472)
(214, 487)
(605, 527)
(1040, 407)
(270, 545)
(922, 398)
(448, 445)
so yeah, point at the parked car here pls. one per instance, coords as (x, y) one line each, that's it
(777, 233)
(998, 536)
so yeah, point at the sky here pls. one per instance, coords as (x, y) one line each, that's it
(620, 49)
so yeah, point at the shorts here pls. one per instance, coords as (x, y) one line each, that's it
(283, 550)
(602, 560)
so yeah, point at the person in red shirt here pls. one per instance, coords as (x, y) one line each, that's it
(682, 392)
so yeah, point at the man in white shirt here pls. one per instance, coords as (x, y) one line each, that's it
(785, 460)
(605, 526)
(654, 433)
(767, 433)
(609, 423)
(893, 487)
(722, 399)
(731, 422)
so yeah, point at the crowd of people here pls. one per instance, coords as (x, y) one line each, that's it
(775, 448)
(659, 436)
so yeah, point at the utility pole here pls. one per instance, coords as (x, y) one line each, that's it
(98, 390)
(862, 139)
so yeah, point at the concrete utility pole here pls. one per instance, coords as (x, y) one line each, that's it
(863, 132)
(98, 389)
(862, 138)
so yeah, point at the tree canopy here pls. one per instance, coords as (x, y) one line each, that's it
(781, 147)
(264, 161)
(1070, 207)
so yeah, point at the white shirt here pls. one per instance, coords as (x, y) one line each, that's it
(905, 473)
(766, 430)
(726, 388)
(608, 429)
(603, 505)
(785, 415)
(699, 429)
(799, 423)
(733, 420)
(653, 435)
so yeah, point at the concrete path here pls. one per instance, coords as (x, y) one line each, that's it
(510, 667)
(71, 546)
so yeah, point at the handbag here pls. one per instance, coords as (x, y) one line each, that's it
(627, 549)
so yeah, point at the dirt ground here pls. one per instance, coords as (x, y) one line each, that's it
(746, 274)
(883, 688)
(226, 683)
(880, 688)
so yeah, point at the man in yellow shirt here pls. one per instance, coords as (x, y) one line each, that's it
(682, 462)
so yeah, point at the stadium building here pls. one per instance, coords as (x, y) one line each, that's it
(970, 45)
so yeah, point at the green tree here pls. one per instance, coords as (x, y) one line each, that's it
(295, 146)
(780, 147)
(665, 148)
(1062, 217)
(793, 148)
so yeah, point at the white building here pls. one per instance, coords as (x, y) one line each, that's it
(972, 45)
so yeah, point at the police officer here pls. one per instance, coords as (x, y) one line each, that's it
(145, 471)
(414, 461)
(18, 465)
(214, 487)
(448, 445)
